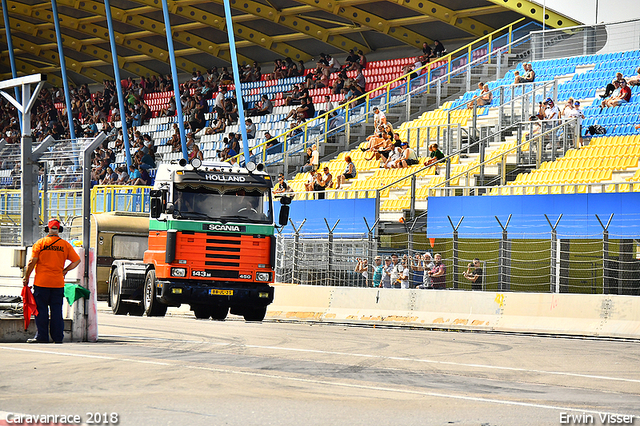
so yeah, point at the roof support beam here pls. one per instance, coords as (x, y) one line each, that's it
(50, 55)
(447, 15)
(296, 23)
(28, 69)
(533, 10)
(369, 20)
(86, 46)
(102, 33)
(254, 37)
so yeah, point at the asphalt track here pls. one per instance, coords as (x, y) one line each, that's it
(181, 371)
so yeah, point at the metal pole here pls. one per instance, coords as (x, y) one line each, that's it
(331, 229)
(606, 266)
(413, 197)
(29, 181)
(296, 244)
(116, 73)
(455, 250)
(174, 77)
(63, 69)
(504, 254)
(371, 242)
(12, 59)
(236, 79)
(555, 283)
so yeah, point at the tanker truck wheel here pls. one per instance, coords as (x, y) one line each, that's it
(152, 306)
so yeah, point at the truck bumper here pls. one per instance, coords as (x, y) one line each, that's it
(175, 293)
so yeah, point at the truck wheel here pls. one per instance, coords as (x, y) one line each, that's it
(255, 314)
(115, 300)
(219, 313)
(201, 311)
(152, 306)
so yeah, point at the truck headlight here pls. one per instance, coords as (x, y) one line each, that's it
(263, 276)
(178, 272)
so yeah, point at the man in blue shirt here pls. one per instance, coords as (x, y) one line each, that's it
(377, 271)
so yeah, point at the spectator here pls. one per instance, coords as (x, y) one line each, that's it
(435, 156)
(336, 121)
(195, 153)
(282, 187)
(134, 174)
(611, 87)
(424, 264)
(266, 107)
(409, 157)
(305, 110)
(427, 52)
(251, 128)
(349, 172)
(351, 60)
(362, 60)
(362, 267)
(308, 166)
(530, 74)
(438, 273)
(387, 270)
(272, 146)
(394, 159)
(219, 103)
(517, 79)
(484, 98)
(567, 108)
(439, 49)
(377, 272)
(324, 182)
(327, 105)
(474, 274)
(577, 113)
(397, 268)
(123, 176)
(634, 80)
(110, 177)
(551, 112)
(403, 274)
(360, 80)
(622, 98)
(378, 117)
(311, 180)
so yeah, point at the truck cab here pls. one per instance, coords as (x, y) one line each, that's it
(211, 244)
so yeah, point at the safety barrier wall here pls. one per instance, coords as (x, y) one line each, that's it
(563, 314)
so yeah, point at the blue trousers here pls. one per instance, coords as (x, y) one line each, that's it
(49, 299)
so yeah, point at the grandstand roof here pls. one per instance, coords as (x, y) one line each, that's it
(264, 30)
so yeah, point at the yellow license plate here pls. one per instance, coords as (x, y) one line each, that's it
(216, 292)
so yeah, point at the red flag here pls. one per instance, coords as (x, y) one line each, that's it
(28, 305)
(432, 241)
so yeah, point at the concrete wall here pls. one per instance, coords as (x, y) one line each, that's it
(565, 314)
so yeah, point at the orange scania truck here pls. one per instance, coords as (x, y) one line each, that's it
(211, 244)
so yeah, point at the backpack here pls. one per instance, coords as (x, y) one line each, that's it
(596, 129)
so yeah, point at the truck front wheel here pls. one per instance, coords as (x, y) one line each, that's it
(152, 306)
(255, 314)
(115, 298)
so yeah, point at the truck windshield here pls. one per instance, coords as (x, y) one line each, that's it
(222, 204)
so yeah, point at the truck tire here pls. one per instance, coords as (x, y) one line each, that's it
(152, 306)
(255, 314)
(115, 298)
(219, 313)
(201, 311)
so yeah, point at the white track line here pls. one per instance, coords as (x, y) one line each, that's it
(316, 382)
(394, 358)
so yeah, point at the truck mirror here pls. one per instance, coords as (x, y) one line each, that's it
(155, 193)
(155, 207)
(284, 200)
(284, 215)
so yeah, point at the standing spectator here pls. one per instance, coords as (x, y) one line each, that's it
(395, 272)
(360, 80)
(48, 258)
(251, 128)
(439, 273)
(403, 275)
(439, 49)
(425, 264)
(377, 271)
(219, 103)
(378, 117)
(551, 112)
(387, 271)
(315, 157)
(475, 275)
(362, 267)
(577, 113)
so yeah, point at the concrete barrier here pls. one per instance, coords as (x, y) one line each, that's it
(567, 314)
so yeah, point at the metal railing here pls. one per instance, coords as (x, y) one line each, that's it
(359, 109)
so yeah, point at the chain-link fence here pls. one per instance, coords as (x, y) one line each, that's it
(602, 263)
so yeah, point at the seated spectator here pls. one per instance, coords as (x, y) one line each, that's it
(481, 99)
(435, 155)
(350, 172)
(272, 146)
(612, 87)
(251, 128)
(634, 80)
(439, 50)
(305, 110)
(133, 174)
(282, 187)
(147, 161)
(195, 153)
(351, 59)
(143, 179)
(621, 99)
(308, 166)
(362, 59)
(529, 75)
(427, 52)
(336, 121)
(266, 107)
(394, 158)
(311, 181)
(327, 105)
(360, 80)
(409, 157)
(110, 177)
(295, 97)
(517, 79)
(219, 126)
(123, 176)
